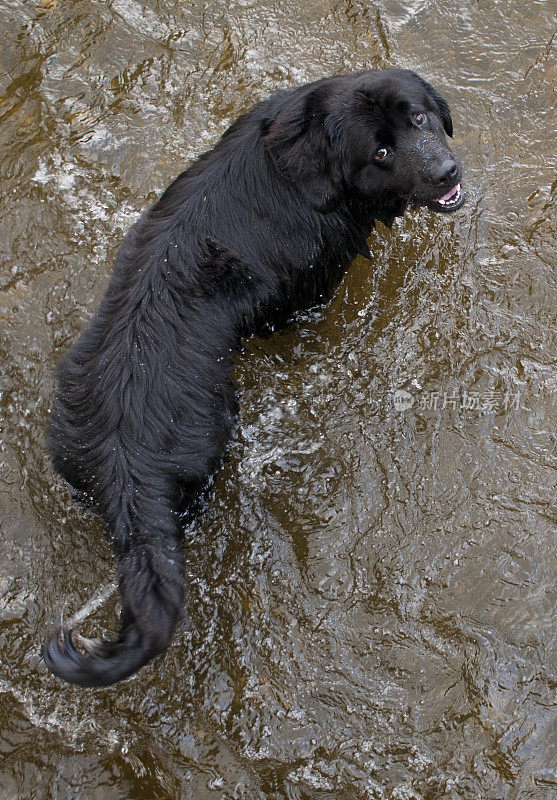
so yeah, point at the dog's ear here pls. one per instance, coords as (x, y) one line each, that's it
(441, 105)
(298, 142)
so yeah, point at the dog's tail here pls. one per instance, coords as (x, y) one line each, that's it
(145, 531)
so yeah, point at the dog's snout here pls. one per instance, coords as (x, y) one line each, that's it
(445, 173)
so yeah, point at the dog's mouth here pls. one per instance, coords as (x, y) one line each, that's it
(450, 201)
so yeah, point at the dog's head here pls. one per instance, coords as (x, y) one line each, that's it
(378, 135)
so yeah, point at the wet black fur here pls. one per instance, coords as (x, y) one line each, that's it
(262, 225)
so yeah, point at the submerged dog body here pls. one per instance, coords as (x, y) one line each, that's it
(260, 226)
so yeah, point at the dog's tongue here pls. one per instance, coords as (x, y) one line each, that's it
(449, 194)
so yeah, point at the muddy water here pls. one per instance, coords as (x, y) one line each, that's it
(371, 595)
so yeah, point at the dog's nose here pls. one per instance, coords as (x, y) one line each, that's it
(445, 173)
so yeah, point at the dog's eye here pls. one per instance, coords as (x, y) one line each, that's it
(381, 153)
(419, 118)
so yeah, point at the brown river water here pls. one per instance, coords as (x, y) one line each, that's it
(371, 588)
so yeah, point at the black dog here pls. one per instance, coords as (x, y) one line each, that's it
(260, 226)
